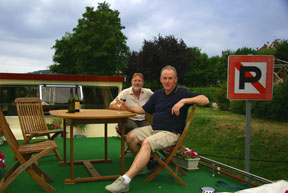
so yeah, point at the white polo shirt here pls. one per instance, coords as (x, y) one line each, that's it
(132, 100)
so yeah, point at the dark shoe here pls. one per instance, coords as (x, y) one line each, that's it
(152, 163)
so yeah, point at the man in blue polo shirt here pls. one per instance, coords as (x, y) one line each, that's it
(169, 106)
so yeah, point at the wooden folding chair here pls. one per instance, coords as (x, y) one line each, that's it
(24, 159)
(32, 121)
(163, 164)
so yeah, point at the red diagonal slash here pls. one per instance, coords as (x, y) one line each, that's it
(257, 85)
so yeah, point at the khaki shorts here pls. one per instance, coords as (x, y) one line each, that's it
(158, 139)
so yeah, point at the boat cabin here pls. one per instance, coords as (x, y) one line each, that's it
(95, 92)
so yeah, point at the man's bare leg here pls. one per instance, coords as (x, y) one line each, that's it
(141, 159)
(133, 143)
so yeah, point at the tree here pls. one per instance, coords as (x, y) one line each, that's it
(282, 50)
(222, 64)
(214, 74)
(64, 56)
(245, 51)
(268, 51)
(96, 46)
(197, 76)
(158, 53)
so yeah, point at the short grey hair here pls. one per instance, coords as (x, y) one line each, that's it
(169, 67)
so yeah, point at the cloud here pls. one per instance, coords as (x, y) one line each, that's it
(29, 28)
(17, 64)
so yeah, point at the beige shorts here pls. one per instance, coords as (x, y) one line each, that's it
(158, 139)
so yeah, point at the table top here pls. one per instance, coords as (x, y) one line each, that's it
(92, 114)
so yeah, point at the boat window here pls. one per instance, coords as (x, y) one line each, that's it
(8, 94)
(56, 96)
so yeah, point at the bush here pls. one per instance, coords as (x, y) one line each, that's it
(276, 109)
(238, 106)
(221, 97)
(209, 92)
(154, 85)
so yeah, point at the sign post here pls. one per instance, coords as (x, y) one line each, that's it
(250, 78)
(248, 131)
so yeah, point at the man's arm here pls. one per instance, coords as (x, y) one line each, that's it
(113, 107)
(134, 109)
(199, 100)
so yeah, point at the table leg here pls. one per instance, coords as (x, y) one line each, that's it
(105, 145)
(122, 148)
(72, 178)
(64, 141)
(71, 151)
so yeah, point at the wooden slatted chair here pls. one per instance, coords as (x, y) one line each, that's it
(24, 159)
(163, 164)
(32, 121)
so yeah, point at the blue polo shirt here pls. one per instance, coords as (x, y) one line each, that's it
(161, 104)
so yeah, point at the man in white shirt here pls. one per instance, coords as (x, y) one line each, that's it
(135, 95)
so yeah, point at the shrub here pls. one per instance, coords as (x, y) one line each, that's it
(154, 85)
(238, 106)
(276, 109)
(209, 92)
(221, 97)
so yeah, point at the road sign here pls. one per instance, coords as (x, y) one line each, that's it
(250, 77)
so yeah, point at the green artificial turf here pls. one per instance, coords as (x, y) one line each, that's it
(92, 148)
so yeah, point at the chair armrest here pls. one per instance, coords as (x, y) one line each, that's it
(45, 132)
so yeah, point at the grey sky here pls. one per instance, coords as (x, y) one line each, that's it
(28, 29)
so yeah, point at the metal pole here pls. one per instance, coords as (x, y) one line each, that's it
(247, 144)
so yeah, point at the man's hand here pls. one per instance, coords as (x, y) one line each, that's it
(121, 105)
(176, 108)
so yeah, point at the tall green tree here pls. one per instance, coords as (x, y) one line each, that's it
(97, 45)
(268, 51)
(214, 74)
(222, 64)
(282, 50)
(64, 56)
(158, 53)
(245, 51)
(197, 76)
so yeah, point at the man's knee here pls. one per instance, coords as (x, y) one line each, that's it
(131, 138)
(146, 144)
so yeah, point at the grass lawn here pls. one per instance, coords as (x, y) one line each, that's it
(220, 135)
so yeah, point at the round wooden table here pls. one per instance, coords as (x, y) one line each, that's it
(91, 116)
